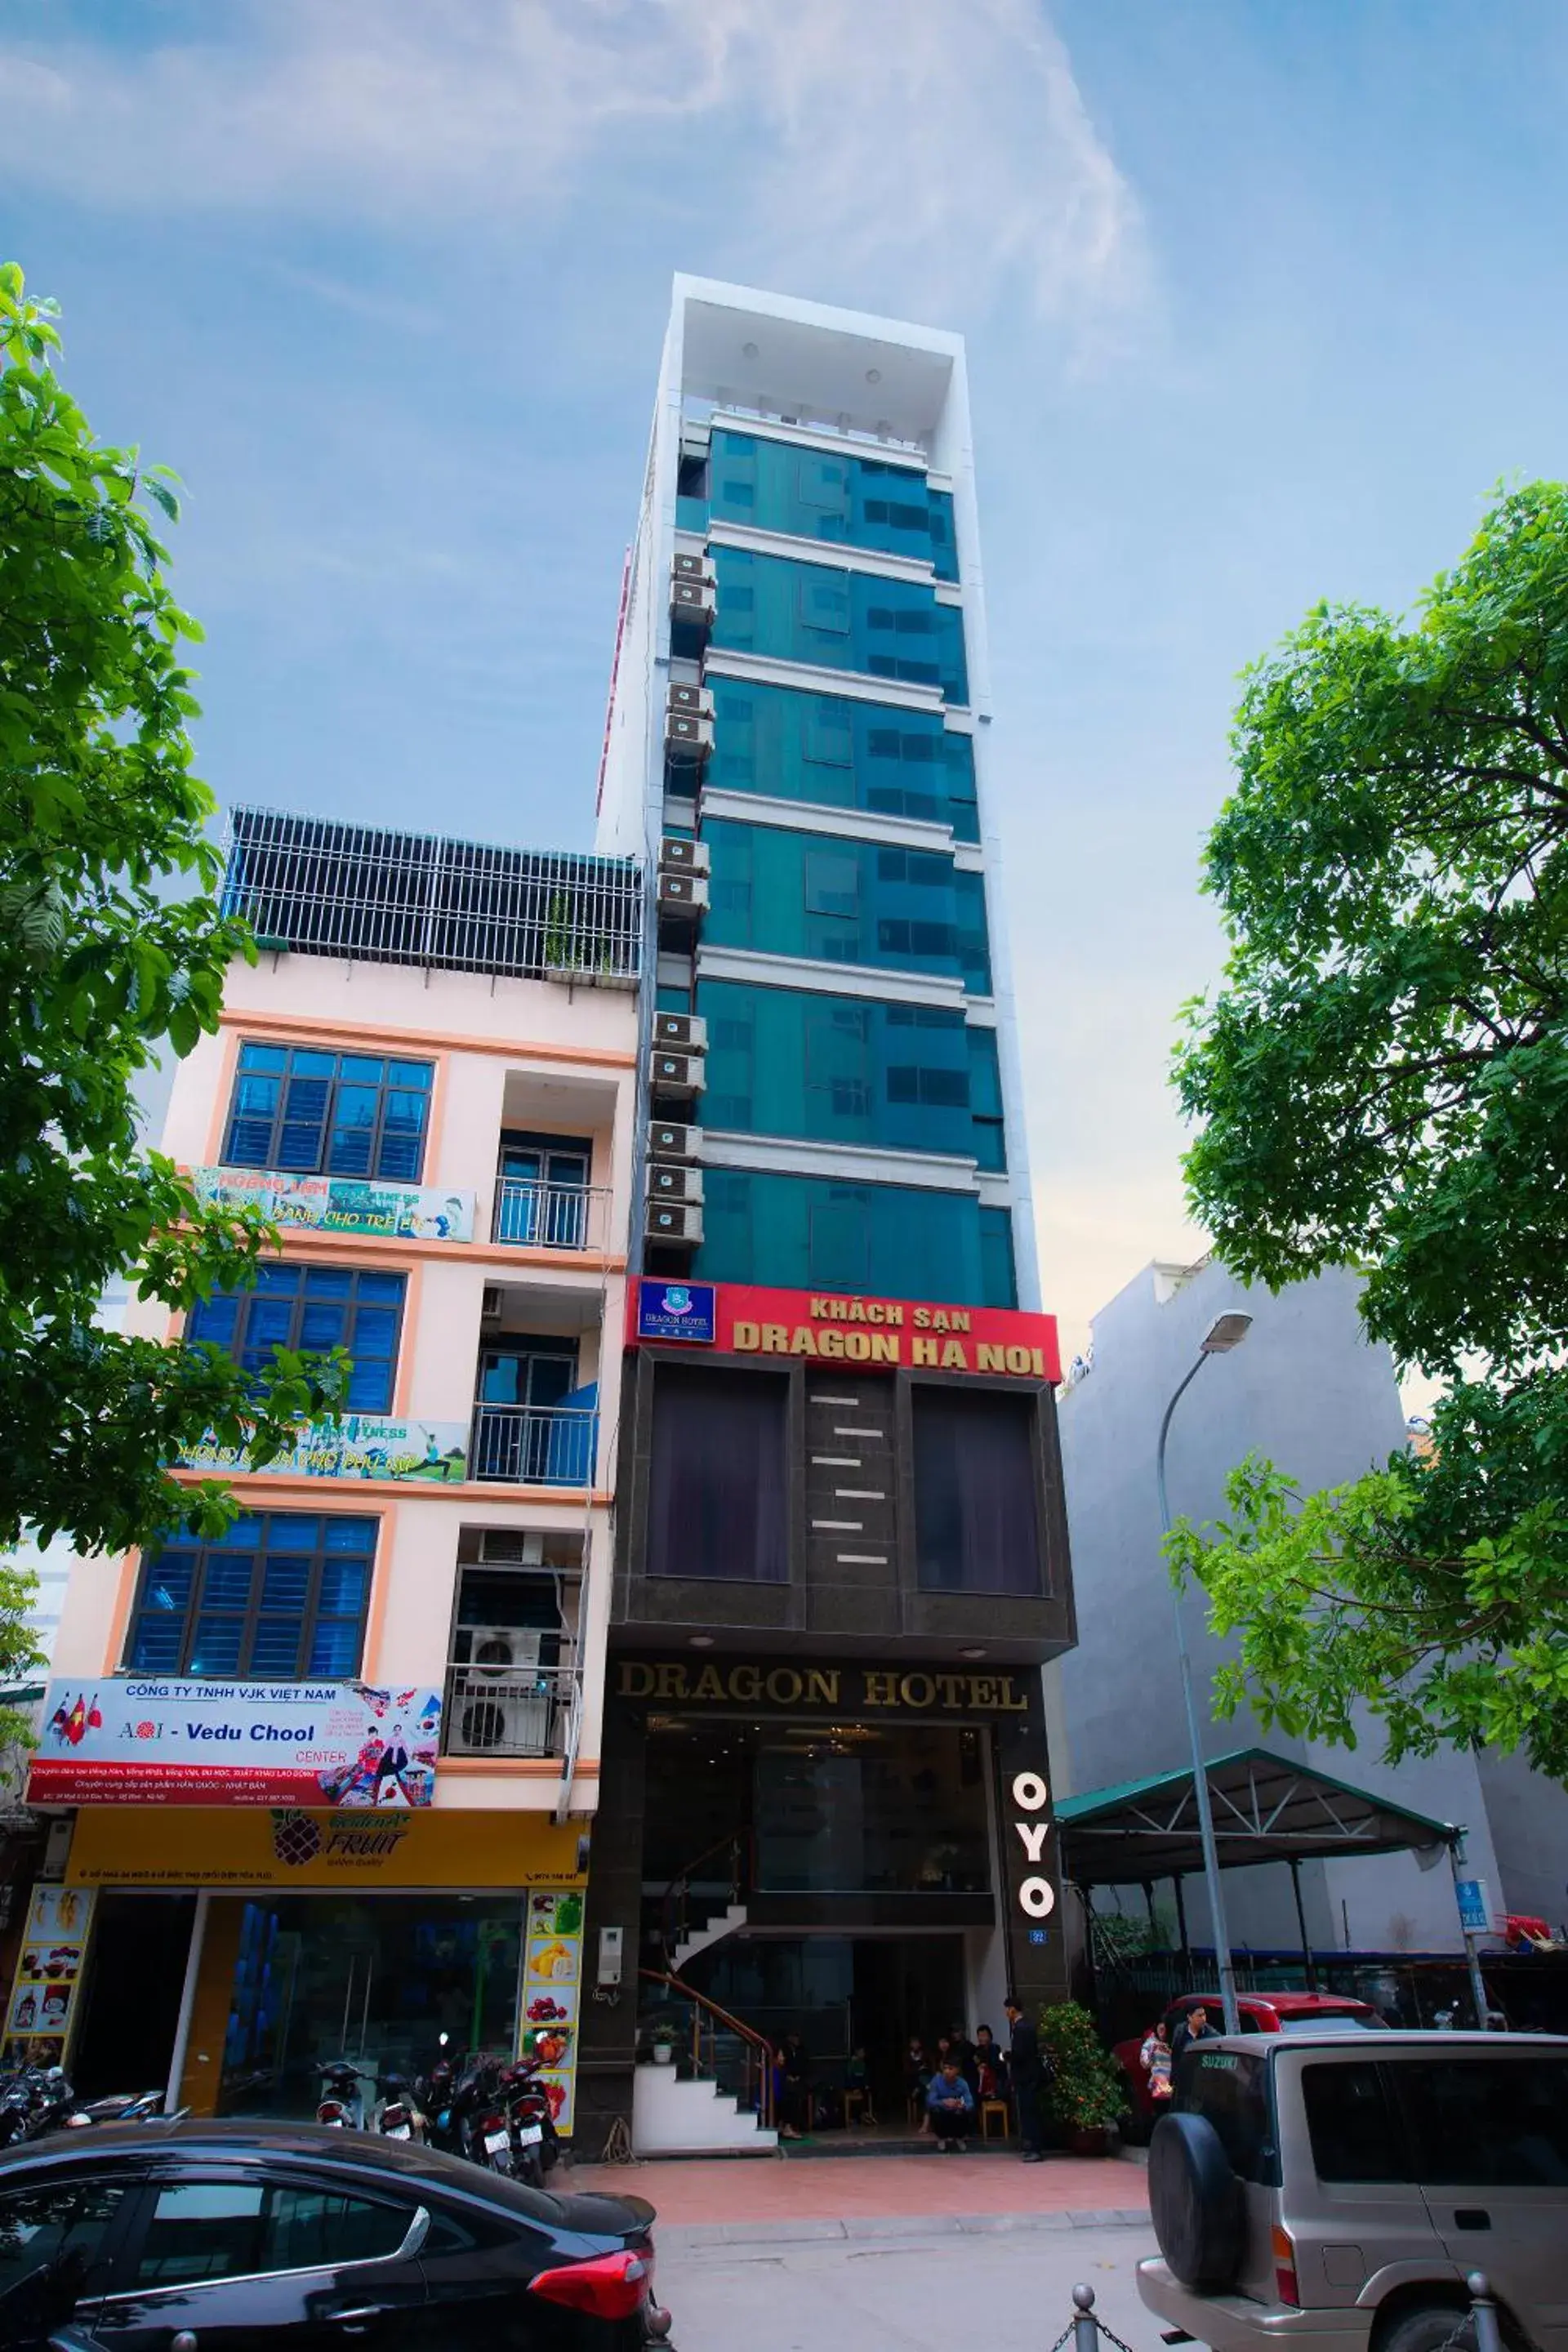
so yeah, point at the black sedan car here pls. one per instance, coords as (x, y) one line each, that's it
(232, 2237)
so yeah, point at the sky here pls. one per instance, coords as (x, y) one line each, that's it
(1261, 297)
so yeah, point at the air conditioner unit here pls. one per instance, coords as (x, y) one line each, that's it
(682, 895)
(510, 1548)
(490, 1305)
(667, 1140)
(694, 601)
(687, 741)
(669, 1181)
(676, 1074)
(677, 1223)
(693, 567)
(501, 1649)
(689, 1031)
(690, 702)
(678, 856)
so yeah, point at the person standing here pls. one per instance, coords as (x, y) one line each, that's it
(1193, 2026)
(1028, 2079)
(1154, 2057)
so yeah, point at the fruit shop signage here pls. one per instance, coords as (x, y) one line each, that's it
(48, 1971)
(351, 1851)
(139, 1741)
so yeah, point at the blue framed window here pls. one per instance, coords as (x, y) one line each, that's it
(804, 1232)
(840, 620)
(838, 497)
(306, 1112)
(313, 1307)
(840, 901)
(281, 1595)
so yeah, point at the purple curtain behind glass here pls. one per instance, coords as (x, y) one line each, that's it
(975, 1521)
(717, 1503)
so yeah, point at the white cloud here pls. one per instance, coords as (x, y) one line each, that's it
(939, 146)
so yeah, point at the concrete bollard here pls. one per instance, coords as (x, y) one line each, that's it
(1483, 2310)
(1086, 2327)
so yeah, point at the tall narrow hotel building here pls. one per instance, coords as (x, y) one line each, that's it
(841, 1550)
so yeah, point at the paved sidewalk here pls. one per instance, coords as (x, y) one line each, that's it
(758, 2198)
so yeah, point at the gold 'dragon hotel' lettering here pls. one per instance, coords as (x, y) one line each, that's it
(934, 1348)
(835, 1686)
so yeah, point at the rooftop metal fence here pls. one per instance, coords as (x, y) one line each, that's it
(319, 887)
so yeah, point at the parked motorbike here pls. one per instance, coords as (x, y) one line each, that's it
(38, 2099)
(401, 2116)
(342, 2103)
(535, 2143)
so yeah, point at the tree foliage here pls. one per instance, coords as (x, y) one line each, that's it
(1382, 1084)
(112, 948)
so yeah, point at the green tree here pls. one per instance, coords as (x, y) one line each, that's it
(19, 1655)
(1382, 1084)
(111, 950)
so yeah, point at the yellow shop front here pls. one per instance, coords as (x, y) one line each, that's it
(232, 1950)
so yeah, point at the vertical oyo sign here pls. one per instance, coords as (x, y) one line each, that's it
(1036, 1896)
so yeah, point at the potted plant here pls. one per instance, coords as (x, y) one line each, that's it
(1085, 2091)
(661, 2041)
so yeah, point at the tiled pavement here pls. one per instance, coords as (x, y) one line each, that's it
(734, 2200)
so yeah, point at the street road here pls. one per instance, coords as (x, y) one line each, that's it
(1009, 2290)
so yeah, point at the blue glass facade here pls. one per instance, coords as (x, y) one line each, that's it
(842, 902)
(800, 1232)
(832, 752)
(845, 500)
(844, 1069)
(769, 605)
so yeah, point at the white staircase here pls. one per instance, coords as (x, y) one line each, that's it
(675, 2117)
(714, 1932)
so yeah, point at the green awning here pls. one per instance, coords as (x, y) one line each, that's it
(1265, 1808)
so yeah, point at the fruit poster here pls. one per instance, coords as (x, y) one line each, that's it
(551, 1990)
(48, 1971)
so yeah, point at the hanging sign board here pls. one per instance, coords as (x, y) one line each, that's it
(135, 1740)
(846, 1328)
(49, 1973)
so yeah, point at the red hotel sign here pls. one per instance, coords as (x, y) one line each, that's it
(844, 1326)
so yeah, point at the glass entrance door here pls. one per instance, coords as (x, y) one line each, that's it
(542, 1197)
(376, 1980)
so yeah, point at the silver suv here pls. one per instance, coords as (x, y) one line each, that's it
(1325, 2190)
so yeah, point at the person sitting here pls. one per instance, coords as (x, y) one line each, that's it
(990, 2064)
(949, 2104)
(857, 2081)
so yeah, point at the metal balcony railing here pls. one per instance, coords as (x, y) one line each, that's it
(535, 1445)
(550, 1216)
(507, 1710)
(320, 887)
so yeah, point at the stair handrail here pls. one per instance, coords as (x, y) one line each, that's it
(759, 2049)
(738, 1841)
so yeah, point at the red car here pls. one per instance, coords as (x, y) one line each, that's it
(1262, 2013)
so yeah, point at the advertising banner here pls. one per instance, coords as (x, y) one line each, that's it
(361, 1851)
(343, 1204)
(551, 1990)
(848, 1327)
(358, 1446)
(138, 1741)
(49, 1970)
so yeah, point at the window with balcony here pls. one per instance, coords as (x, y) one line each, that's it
(543, 1199)
(838, 497)
(279, 1595)
(787, 611)
(308, 1112)
(841, 901)
(838, 753)
(313, 1308)
(976, 1517)
(534, 1425)
(511, 1677)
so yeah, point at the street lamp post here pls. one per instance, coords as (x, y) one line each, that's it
(1228, 1332)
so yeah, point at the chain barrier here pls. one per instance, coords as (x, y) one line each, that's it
(1476, 2331)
